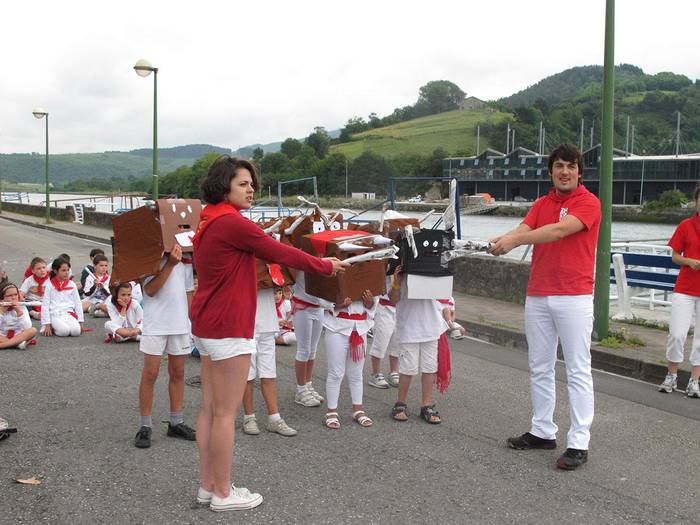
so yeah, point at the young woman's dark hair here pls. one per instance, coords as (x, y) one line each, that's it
(217, 183)
(56, 265)
(96, 251)
(115, 292)
(100, 257)
(6, 285)
(568, 153)
(35, 261)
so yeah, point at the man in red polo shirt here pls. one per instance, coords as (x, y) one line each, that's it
(563, 227)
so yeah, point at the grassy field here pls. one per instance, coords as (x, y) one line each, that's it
(452, 131)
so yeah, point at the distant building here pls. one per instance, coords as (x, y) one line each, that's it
(472, 103)
(364, 195)
(524, 173)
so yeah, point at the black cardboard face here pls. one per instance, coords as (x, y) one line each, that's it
(430, 244)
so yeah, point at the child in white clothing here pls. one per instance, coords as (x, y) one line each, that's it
(16, 330)
(283, 307)
(345, 337)
(61, 309)
(384, 339)
(96, 290)
(125, 316)
(32, 288)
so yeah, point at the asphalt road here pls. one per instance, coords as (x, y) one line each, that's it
(74, 401)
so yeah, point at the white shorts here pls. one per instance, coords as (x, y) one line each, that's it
(413, 356)
(218, 349)
(176, 344)
(384, 327)
(262, 362)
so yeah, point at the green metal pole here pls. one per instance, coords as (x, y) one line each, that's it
(601, 306)
(155, 133)
(46, 173)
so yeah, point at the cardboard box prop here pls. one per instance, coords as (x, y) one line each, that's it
(369, 275)
(425, 287)
(142, 236)
(271, 275)
(430, 244)
(398, 225)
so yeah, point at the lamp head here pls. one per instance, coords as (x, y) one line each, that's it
(39, 113)
(144, 68)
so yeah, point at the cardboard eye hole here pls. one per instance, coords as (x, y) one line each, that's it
(183, 214)
(189, 208)
(335, 226)
(435, 244)
(319, 227)
(174, 208)
(426, 244)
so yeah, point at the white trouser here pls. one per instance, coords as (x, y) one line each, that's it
(64, 325)
(339, 362)
(682, 309)
(383, 332)
(568, 318)
(308, 324)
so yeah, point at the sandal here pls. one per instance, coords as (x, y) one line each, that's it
(362, 419)
(430, 415)
(398, 412)
(331, 420)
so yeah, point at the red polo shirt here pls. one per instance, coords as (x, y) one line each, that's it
(564, 267)
(226, 298)
(686, 241)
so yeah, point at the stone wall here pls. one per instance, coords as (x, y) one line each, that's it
(59, 214)
(497, 278)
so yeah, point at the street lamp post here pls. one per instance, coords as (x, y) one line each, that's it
(40, 113)
(144, 68)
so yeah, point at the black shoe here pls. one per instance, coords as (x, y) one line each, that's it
(181, 431)
(572, 458)
(528, 442)
(143, 438)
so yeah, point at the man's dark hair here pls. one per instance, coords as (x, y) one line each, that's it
(217, 183)
(568, 153)
(96, 251)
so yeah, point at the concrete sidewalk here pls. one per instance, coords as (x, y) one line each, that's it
(496, 321)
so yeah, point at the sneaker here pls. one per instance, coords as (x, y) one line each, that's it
(393, 379)
(281, 428)
(182, 431)
(378, 381)
(250, 426)
(669, 385)
(23, 345)
(528, 442)
(238, 499)
(91, 308)
(693, 389)
(204, 496)
(306, 399)
(318, 396)
(143, 438)
(572, 458)
(98, 313)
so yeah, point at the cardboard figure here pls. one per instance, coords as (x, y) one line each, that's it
(142, 236)
(272, 275)
(421, 254)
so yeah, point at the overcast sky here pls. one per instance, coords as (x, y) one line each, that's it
(233, 73)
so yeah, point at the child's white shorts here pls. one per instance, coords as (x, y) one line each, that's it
(262, 362)
(175, 344)
(413, 356)
(218, 349)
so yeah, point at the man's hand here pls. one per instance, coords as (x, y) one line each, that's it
(502, 245)
(175, 255)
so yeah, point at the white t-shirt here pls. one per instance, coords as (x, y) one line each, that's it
(266, 313)
(346, 326)
(417, 320)
(133, 317)
(286, 310)
(167, 312)
(30, 282)
(10, 321)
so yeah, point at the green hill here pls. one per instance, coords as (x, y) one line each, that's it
(452, 131)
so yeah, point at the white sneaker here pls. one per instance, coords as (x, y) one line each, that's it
(394, 379)
(693, 389)
(378, 381)
(91, 308)
(204, 496)
(306, 399)
(250, 426)
(281, 428)
(239, 498)
(669, 384)
(23, 345)
(316, 394)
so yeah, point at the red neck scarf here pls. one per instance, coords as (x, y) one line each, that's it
(102, 279)
(61, 287)
(40, 284)
(357, 343)
(209, 214)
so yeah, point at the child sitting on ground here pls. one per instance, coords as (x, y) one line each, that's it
(286, 335)
(61, 309)
(125, 316)
(16, 330)
(96, 289)
(33, 287)
(90, 268)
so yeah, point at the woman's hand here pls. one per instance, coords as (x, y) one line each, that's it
(338, 265)
(694, 264)
(368, 299)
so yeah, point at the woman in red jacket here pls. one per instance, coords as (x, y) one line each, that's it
(223, 317)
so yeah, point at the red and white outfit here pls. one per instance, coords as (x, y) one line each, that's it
(419, 325)
(559, 307)
(307, 315)
(12, 324)
(61, 308)
(34, 282)
(284, 313)
(96, 288)
(346, 343)
(686, 294)
(263, 361)
(383, 333)
(131, 318)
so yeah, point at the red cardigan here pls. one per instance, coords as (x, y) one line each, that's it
(226, 298)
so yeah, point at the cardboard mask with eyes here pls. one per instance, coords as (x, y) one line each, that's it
(142, 236)
(270, 275)
(430, 245)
